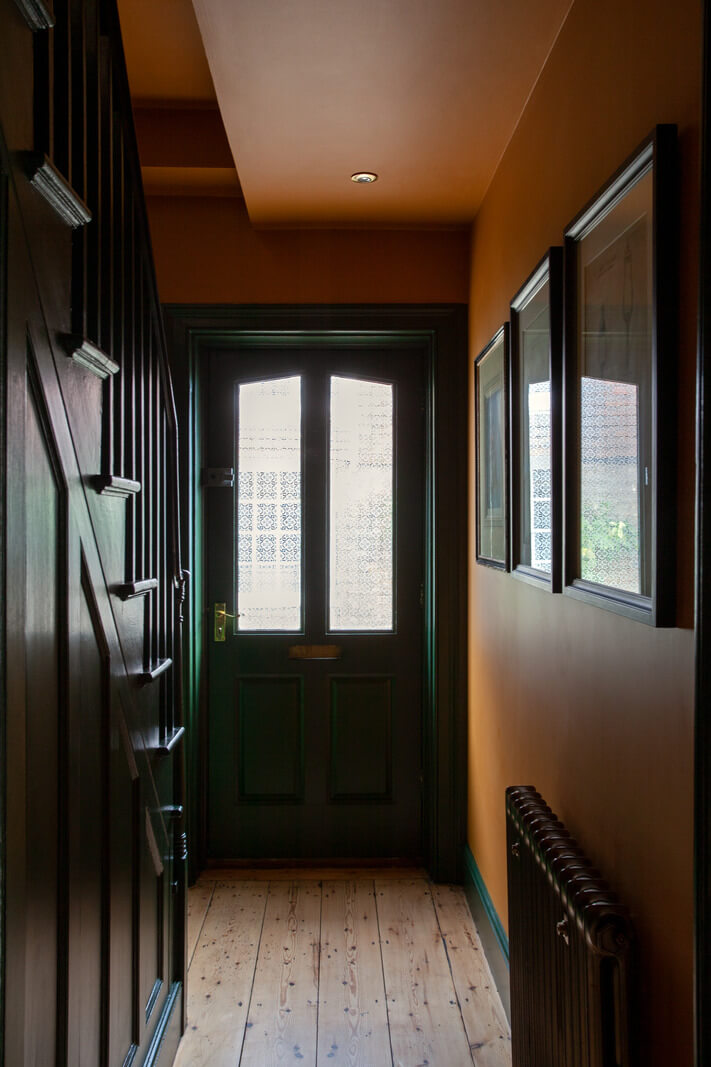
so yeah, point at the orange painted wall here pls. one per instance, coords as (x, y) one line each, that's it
(207, 252)
(594, 710)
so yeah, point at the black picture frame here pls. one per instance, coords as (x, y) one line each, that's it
(547, 336)
(491, 398)
(620, 323)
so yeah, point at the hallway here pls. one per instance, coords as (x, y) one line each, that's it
(366, 967)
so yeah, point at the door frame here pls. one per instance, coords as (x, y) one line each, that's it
(440, 332)
(702, 741)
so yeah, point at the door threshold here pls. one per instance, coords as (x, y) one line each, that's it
(311, 869)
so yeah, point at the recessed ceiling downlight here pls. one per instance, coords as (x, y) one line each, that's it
(364, 177)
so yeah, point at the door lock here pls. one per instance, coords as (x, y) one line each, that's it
(221, 617)
(218, 477)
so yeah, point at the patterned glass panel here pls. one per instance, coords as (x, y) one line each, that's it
(269, 505)
(609, 498)
(361, 505)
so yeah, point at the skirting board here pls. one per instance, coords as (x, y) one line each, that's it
(491, 932)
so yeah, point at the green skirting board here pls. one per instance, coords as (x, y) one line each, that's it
(491, 932)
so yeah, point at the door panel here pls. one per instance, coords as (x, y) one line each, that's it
(315, 675)
(270, 739)
(360, 767)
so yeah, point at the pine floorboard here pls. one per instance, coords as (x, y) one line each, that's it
(198, 902)
(353, 1017)
(483, 1015)
(283, 1011)
(337, 967)
(221, 977)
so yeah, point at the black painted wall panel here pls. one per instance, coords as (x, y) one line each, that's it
(86, 724)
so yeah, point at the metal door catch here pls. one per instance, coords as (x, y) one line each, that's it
(218, 477)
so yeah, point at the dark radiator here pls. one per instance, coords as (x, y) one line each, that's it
(570, 945)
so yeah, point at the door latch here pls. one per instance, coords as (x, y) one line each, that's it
(218, 477)
(221, 617)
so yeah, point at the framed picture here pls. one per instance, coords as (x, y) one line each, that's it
(536, 365)
(492, 484)
(620, 433)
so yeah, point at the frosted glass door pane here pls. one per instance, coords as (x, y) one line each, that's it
(269, 505)
(361, 505)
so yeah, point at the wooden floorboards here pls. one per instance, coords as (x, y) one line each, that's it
(337, 968)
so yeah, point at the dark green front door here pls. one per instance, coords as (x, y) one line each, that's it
(315, 587)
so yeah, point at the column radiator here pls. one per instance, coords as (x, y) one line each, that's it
(570, 947)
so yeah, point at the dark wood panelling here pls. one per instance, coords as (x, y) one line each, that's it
(270, 733)
(42, 609)
(95, 898)
(151, 910)
(360, 750)
(88, 839)
(125, 806)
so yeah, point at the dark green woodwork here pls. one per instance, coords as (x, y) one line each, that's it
(489, 927)
(360, 733)
(270, 733)
(442, 331)
(266, 823)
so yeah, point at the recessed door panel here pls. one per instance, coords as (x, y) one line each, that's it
(270, 731)
(360, 751)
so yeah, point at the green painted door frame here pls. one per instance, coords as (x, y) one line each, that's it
(441, 330)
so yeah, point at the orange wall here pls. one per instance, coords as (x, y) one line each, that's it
(207, 252)
(594, 710)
